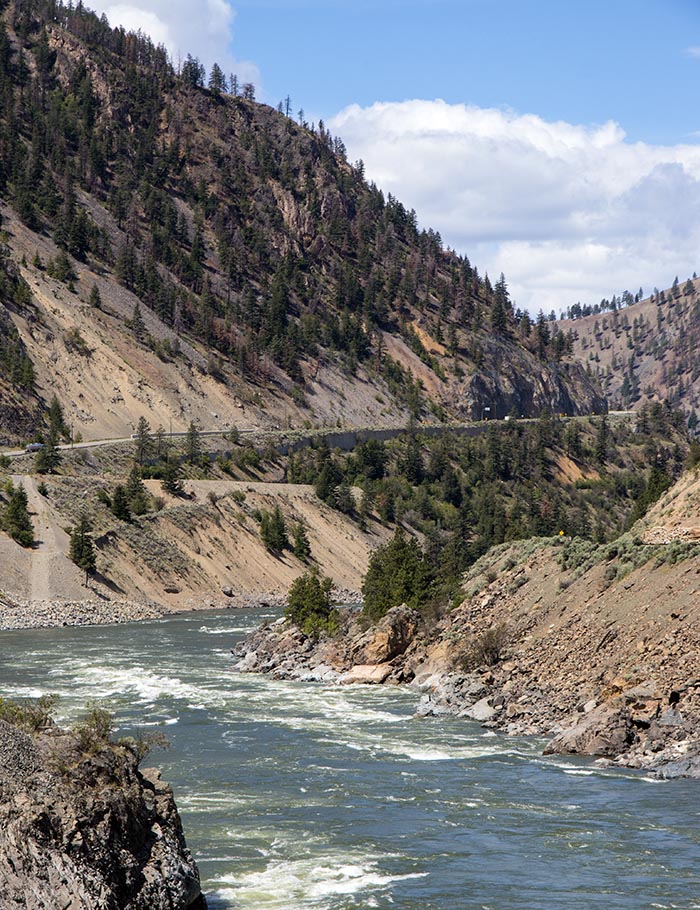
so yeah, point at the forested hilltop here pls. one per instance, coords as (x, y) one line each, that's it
(643, 349)
(167, 230)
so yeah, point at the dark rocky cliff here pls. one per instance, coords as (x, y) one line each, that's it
(88, 830)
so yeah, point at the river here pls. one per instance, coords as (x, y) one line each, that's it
(303, 797)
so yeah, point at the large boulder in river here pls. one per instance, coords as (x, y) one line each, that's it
(606, 731)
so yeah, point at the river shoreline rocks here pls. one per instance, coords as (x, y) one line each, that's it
(18, 614)
(82, 828)
(641, 726)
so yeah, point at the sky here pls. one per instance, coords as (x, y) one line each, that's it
(557, 141)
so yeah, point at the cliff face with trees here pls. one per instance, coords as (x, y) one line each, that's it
(205, 220)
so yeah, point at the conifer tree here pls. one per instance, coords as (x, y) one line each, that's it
(95, 299)
(82, 548)
(17, 521)
(172, 476)
(273, 530)
(193, 444)
(48, 458)
(138, 325)
(136, 492)
(143, 443)
(301, 547)
(120, 504)
(57, 422)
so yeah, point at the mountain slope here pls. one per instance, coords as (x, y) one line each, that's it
(260, 258)
(645, 351)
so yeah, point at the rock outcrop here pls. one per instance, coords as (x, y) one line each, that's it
(87, 830)
(355, 654)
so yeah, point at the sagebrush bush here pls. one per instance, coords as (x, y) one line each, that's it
(486, 649)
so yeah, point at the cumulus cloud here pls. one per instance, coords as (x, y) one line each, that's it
(568, 212)
(204, 29)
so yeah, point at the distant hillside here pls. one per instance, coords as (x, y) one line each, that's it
(192, 254)
(646, 351)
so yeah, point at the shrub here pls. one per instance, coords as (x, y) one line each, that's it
(145, 744)
(33, 716)
(487, 648)
(310, 607)
(94, 730)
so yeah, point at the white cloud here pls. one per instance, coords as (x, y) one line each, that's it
(568, 212)
(692, 51)
(204, 29)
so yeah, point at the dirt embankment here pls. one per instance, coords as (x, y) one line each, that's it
(201, 550)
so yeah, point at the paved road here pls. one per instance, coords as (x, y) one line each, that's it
(476, 425)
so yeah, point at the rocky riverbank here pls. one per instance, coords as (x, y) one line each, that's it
(18, 614)
(81, 827)
(44, 614)
(517, 684)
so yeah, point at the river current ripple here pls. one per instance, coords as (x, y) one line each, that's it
(304, 797)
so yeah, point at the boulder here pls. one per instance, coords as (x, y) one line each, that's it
(367, 673)
(605, 731)
(390, 637)
(89, 830)
(481, 711)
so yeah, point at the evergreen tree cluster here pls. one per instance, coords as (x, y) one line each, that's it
(462, 495)
(15, 519)
(16, 366)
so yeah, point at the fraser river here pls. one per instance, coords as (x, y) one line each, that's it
(303, 797)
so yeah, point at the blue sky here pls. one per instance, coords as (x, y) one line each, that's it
(583, 62)
(556, 141)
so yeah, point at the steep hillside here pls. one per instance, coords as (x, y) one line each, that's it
(192, 253)
(646, 351)
(202, 549)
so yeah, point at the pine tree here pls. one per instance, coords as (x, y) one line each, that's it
(16, 519)
(143, 443)
(273, 530)
(172, 477)
(138, 326)
(217, 80)
(48, 459)
(82, 548)
(57, 421)
(136, 492)
(397, 573)
(120, 504)
(193, 444)
(601, 441)
(310, 607)
(301, 547)
(95, 299)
